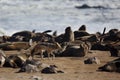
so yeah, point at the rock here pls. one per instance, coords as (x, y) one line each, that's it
(36, 78)
(85, 6)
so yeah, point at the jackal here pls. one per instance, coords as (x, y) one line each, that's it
(50, 48)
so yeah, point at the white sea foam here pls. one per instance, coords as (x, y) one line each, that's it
(17, 15)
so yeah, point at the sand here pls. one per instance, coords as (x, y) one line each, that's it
(73, 67)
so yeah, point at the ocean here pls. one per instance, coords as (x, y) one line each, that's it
(56, 15)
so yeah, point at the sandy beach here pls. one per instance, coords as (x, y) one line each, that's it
(73, 67)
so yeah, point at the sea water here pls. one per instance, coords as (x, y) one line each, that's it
(56, 15)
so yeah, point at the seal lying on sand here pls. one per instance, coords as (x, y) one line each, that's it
(113, 66)
(2, 58)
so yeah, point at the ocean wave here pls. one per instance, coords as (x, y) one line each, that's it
(2, 31)
(17, 15)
